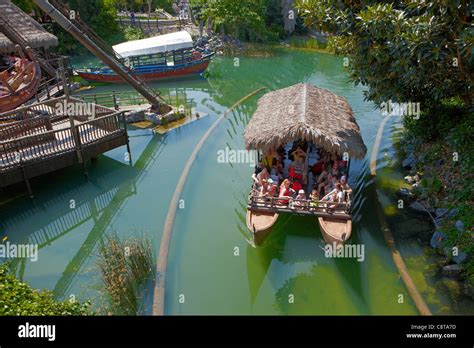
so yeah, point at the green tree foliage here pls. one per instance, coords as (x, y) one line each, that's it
(18, 298)
(253, 20)
(100, 15)
(142, 5)
(26, 5)
(417, 51)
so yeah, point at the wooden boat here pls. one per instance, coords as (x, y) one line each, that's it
(148, 73)
(260, 225)
(21, 87)
(160, 57)
(324, 121)
(335, 230)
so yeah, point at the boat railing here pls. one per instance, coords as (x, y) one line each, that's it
(152, 63)
(298, 206)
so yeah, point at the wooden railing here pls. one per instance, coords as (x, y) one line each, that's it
(116, 99)
(29, 148)
(21, 150)
(299, 206)
(49, 108)
(24, 128)
(28, 112)
(100, 128)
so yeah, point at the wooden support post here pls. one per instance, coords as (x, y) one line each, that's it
(128, 140)
(25, 175)
(116, 107)
(63, 78)
(86, 173)
(28, 186)
(129, 153)
(77, 140)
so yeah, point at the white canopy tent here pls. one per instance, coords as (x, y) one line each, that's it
(157, 44)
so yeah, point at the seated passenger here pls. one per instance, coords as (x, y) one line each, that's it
(284, 192)
(335, 196)
(261, 177)
(314, 199)
(264, 189)
(272, 187)
(345, 186)
(299, 203)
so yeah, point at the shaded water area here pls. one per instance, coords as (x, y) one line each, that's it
(210, 261)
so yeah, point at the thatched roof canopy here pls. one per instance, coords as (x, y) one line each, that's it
(304, 111)
(31, 31)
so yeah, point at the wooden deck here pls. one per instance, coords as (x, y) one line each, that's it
(42, 144)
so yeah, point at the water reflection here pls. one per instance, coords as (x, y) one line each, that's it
(48, 218)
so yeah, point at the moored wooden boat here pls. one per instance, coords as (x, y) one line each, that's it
(19, 88)
(148, 73)
(260, 224)
(335, 230)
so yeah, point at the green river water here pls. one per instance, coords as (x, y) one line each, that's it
(203, 265)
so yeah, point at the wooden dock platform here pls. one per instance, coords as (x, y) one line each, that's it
(37, 140)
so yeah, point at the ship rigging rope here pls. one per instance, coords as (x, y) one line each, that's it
(396, 255)
(159, 290)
